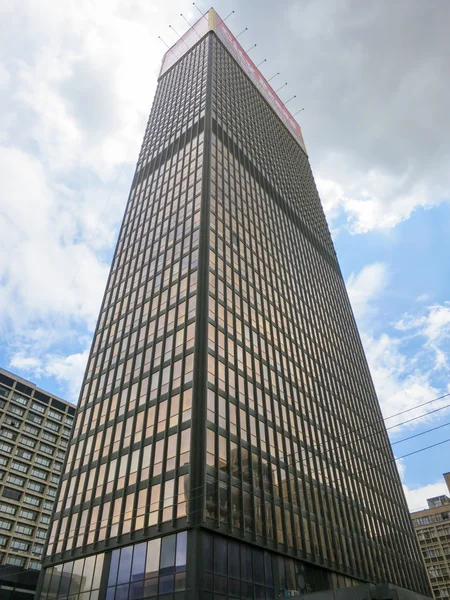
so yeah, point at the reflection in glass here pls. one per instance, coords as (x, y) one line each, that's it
(65, 578)
(153, 552)
(181, 551)
(88, 573)
(75, 582)
(138, 568)
(167, 555)
(122, 592)
(166, 584)
(126, 555)
(136, 590)
(115, 555)
(97, 572)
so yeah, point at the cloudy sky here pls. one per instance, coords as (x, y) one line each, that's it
(77, 80)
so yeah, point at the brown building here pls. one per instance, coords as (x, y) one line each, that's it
(432, 526)
(217, 449)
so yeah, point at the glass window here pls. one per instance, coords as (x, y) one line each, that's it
(138, 567)
(153, 554)
(181, 551)
(7, 509)
(24, 529)
(97, 572)
(220, 555)
(234, 560)
(168, 544)
(77, 572)
(126, 555)
(16, 561)
(20, 399)
(88, 573)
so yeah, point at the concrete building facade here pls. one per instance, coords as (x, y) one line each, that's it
(34, 432)
(432, 527)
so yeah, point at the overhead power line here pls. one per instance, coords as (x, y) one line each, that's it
(109, 522)
(283, 459)
(420, 433)
(402, 412)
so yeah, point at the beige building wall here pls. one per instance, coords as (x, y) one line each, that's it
(432, 527)
(34, 430)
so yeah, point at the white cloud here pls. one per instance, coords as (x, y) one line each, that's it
(371, 200)
(402, 380)
(5, 77)
(44, 265)
(433, 325)
(68, 370)
(80, 80)
(364, 287)
(417, 496)
(376, 127)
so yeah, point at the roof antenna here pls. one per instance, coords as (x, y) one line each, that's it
(181, 15)
(242, 32)
(175, 31)
(276, 91)
(231, 13)
(298, 112)
(263, 61)
(191, 26)
(198, 9)
(160, 38)
(290, 100)
(272, 77)
(251, 48)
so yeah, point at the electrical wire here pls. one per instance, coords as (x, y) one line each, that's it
(240, 473)
(419, 417)
(283, 459)
(402, 412)
(420, 433)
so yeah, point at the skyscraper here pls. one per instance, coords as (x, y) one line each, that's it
(228, 441)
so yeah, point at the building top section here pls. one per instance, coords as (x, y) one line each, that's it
(447, 480)
(30, 389)
(436, 505)
(212, 22)
(438, 501)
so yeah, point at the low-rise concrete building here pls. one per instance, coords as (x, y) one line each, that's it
(432, 526)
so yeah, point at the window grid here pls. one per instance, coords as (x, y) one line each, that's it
(19, 457)
(136, 400)
(288, 387)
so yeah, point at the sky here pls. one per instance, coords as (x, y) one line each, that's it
(77, 80)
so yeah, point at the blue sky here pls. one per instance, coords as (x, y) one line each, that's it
(76, 84)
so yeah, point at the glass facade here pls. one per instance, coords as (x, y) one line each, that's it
(144, 570)
(128, 462)
(297, 453)
(227, 387)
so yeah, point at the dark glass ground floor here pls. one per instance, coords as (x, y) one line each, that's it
(17, 583)
(186, 565)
